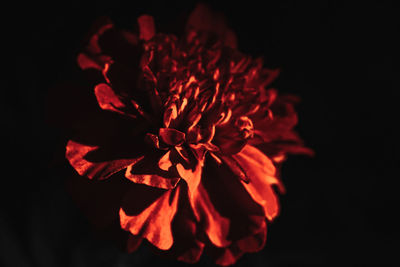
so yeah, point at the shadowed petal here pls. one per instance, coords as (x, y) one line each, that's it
(146, 27)
(76, 154)
(98, 29)
(191, 177)
(204, 19)
(133, 243)
(249, 244)
(151, 179)
(216, 226)
(187, 247)
(261, 172)
(146, 171)
(154, 221)
(108, 100)
(85, 62)
(223, 207)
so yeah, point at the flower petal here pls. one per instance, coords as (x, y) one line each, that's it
(228, 139)
(191, 176)
(204, 19)
(146, 27)
(216, 226)
(76, 154)
(101, 26)
(261, 173)
(108, 100)
(187, 247)
(171, 136)
(85, 62)
(147, 171)
(154, 221)
(249, 244)
(133, 243)
(121, 46)
(280, 126)
(151, 180)
(224, 208)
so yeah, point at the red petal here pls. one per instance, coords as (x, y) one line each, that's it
(108, 100)
(133, 243)
(165, 163)
(152, 180)
(280, 127)
(86, 62)
(146, 27)
(228, 138)
(253, 243)
(261, 172)
(203, 19)
(120, 46)
(216, 226)
(186, 246)
(146, 171)
(76, 154)
(171, 136)
(191, 177)
(224, 208)
(153, 222)
(99, 28)
(192, 254)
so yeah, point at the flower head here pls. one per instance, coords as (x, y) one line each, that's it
(201, 139)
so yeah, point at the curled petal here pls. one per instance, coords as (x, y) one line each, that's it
(108, 100)
(224, 208)
(85, 62)
(154, 221)
(165, 163)
(76, 154)
(229, 139)
(171, 136)
(151, 180)
(187, 247)
(249, 244)
(217, 227)
(261, 172)
(191, 176)
(99, 28)
(146, 171)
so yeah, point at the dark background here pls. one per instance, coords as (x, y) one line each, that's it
(341, 205)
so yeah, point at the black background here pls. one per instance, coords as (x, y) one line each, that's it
(341, 205)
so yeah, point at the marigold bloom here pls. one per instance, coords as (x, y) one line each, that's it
(203, 135)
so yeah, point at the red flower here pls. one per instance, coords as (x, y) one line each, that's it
(195, 129)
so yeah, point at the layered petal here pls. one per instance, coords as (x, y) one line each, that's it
(146, 171)
(223, 208)
(262, 176)
(188, 245)
(149, 213)
(216, 226)
(196, 119)
(77, 153)
(249, 244)
(109, 100)
(204, 19)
